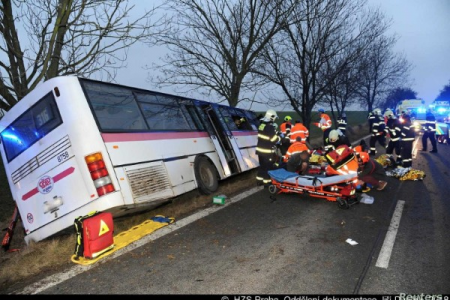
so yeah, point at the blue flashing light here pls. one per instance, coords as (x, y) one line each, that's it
(11, 137)
(421, 110)
(441, 110)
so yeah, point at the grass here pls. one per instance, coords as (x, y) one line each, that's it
(37, 260)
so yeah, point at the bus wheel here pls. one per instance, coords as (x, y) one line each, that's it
(206, 175)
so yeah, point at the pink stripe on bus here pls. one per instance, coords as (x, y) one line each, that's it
(56, 178)
(149, 136)
(244, 133)
(30, 194)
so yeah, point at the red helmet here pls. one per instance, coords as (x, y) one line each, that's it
(364, 157)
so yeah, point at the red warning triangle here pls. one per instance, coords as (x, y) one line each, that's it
(103, 228)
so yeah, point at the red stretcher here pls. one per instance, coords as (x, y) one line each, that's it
(337, 183)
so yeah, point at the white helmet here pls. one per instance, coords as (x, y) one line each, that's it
(271, 115)
(334, 135)
(389, 114)
(377, 111)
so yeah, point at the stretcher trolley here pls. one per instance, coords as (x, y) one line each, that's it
(336, 184)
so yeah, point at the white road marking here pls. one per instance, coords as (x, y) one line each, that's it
(414, 151)
(58, 278)
(389, 240)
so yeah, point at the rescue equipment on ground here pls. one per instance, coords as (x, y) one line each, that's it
(384, 160)
(219, 199)
(94, 233)
(125, 238)
(6, 242)
(406, 174)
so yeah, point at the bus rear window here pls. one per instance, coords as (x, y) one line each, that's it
(31, 126)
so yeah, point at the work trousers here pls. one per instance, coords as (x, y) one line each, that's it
(265, 165)
(406, 153)
(373, 140)
(394, 146)
(431, 136)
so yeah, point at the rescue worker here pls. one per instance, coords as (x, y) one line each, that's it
(393, 127)
(298, 163)
(285, 129)
(370, 118)
(324, 124)
(429, 129)
(298, 130)
(335, 139)
(297, 147)
(265, 148)
(386, 112)
(342, 122)
(406, 141)
(371, 172)
(377, 132)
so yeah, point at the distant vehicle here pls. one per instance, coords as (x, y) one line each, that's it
(73, 145)
(417, 110)
(442, 113)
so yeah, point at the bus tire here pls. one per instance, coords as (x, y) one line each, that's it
(206, 175)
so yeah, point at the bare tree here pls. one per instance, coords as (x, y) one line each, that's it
(80, 37)
(214, 44)
(323, 40)
(381, 70)
(396, 95)
(341, 91)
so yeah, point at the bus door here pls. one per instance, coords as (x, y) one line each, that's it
(220, 136)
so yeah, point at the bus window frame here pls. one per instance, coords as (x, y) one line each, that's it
(56, 115)
(134, 91)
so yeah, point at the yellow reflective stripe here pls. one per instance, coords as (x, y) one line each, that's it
(264, 137)
(408, 139)
(267, 180)
(406, 127)
(274, 138)
(262, 150)
(259, 178)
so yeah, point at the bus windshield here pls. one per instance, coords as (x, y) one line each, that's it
(31, 126)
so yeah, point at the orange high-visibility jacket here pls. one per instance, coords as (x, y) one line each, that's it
(285, 128)
(299, 130)
(325, 122)
(296, 147)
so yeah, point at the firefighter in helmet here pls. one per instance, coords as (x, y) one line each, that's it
(265, 148)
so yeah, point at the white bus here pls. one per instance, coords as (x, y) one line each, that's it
(75, 145)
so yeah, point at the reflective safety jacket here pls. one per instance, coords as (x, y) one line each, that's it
(342, 140)
(407, 134)
(371, 118)
(342, 124)
(296, 147)
(430, 124)
(299, 130)
(324, 123)
(267, 138)
(394, 129)
(285, 128)
(378, 125)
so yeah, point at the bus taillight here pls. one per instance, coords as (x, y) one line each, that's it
(99, 174)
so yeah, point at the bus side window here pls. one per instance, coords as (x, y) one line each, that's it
(114, 107)
(195, 117)
(226, 113)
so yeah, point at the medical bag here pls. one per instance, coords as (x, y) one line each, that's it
(94, 234)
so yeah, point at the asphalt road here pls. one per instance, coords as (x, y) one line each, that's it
(296, 245)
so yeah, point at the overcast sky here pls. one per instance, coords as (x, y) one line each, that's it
(423, 27)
